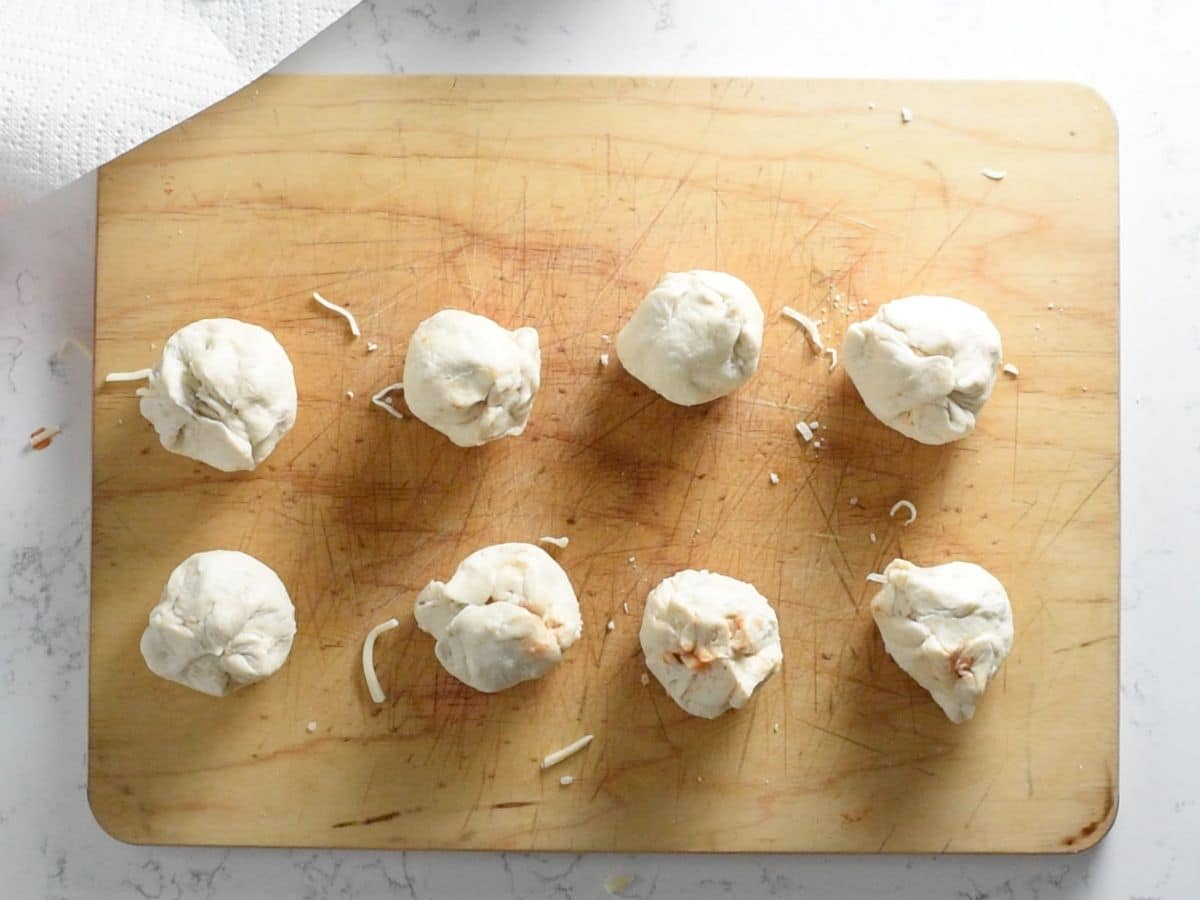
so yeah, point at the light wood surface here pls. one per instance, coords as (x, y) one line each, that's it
(558, 203)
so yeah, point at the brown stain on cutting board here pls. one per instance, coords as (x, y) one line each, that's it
(558, 203)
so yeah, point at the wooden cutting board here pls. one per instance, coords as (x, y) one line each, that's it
(558, 203)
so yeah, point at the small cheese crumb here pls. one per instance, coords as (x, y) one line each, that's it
(1049, 306)
(632, 560)
(814, 424)
(372, 346)
(611, 625)
(775, 728)
(993, 174)
(42, 437)
(606, 338)
(311, 727)
(773, 478)
(566, 780)
(341, 311)
(817, 444)
(604, 359)
(625, 606)
(71, 342)
(905, 115)
(811, 329)
(876, 578)
(559, 542)
(872, 536)
(553, 759)
(1010, 369)
(349, 395)
(368, 659)
(854, 501)
(871, 105)
(645, 679)
(805, 430)
(904, 504)
(618, 883)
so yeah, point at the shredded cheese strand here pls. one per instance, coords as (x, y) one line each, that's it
(805, 431)
(341, 311)
(559, 542)
(876, 578)
(832, 358)
(993, 174)
(553, 759)
(810, 327)
(136, 375)
(368, 659)
(379, 398)
(1010, 369)
(904, 504)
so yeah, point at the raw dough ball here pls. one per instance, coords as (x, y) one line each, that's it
(223, 393)
(924, 365)
(696, 337)
(710, 640)
(506, 616)
(471, 379)
(948, 626)
(225, 620)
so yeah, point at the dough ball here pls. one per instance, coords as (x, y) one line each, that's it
(225, 620)
(471, 379)
(696, 337)
(710, 640)
(948, 626)
(924, 365)
(506, 616)
(223, 393)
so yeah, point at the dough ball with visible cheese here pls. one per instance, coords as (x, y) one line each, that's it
(710, 640)
(924, 365)
(225, 620)
(696, 337)
(948, 626)
(224, 393)
(505, 616)
(471, 379)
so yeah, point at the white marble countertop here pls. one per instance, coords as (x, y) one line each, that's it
(1141, 56)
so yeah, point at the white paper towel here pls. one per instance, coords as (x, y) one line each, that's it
(82, 81)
